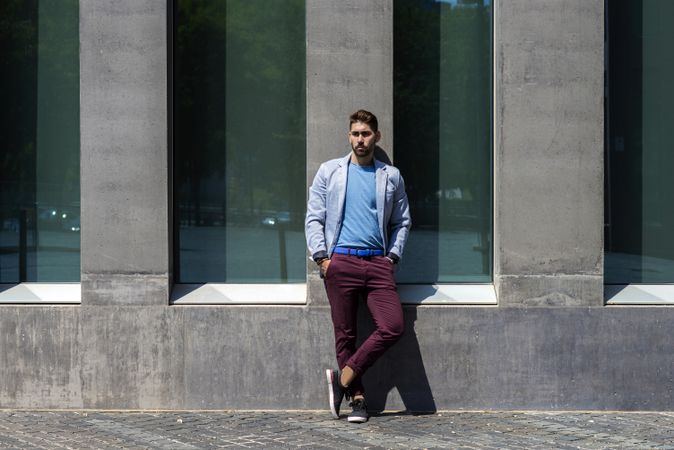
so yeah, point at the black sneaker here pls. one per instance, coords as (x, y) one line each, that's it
(336, 391)
(359, 413)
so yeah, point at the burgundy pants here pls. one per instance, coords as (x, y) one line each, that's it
(348, 278)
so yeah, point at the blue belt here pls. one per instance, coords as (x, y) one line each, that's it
(358, 251)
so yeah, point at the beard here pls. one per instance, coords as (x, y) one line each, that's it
(364, 151)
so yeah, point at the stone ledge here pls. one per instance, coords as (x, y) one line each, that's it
(549, 290)
(105, 289)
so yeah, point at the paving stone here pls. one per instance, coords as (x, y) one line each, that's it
(316, 430)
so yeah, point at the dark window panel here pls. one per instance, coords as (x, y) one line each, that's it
(39, 155)
(239, 118)
(639, 157)
(443, 143)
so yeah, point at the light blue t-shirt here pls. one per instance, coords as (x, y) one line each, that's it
(360, 227)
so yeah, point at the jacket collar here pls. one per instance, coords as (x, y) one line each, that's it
(377, 164)
(381, 178)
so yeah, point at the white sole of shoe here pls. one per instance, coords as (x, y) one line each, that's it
(331, 394)
(357, 419)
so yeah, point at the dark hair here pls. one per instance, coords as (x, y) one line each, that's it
(366, 117)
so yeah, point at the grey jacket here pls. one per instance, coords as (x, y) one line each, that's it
(325, 209)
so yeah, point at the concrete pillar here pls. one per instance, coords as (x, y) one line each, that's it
(548, 162)
(124, 169)
(349, 67)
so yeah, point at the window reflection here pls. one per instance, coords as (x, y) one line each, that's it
(442, 104)
(39, 154)
(639, 157)
(239, 156)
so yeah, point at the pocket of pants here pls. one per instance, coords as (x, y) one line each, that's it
(391, 266)
(328, 271)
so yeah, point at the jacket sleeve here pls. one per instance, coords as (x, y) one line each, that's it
(314, 224)
(400, 221)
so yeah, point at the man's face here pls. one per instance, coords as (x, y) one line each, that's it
(362, 139)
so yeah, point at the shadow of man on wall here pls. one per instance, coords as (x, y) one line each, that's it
(381, 155)
(401, 367)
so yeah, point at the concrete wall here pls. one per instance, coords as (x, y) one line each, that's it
(548, 161)
(124, 163)
(550, 343)
(262, 357)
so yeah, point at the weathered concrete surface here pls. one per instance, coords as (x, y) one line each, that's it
(124, 175)
(132, 356)
(548, 161)
(548, 290)
(40, 357)
(124, 289)
(272, 357)
(349, 67)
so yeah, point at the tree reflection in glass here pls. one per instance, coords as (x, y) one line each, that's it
(442, 121)
(239, 136)
(39, 155)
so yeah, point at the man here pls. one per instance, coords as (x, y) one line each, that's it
(356, 227)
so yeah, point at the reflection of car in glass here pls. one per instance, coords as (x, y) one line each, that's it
(47, 214)
(281, 217)
(58, 218)
(11, 224)
(71, 224)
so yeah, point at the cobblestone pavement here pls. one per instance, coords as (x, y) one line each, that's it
(315, 429)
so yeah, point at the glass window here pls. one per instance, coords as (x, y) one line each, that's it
(40, 149)
(443, 122)
(239, 141)
(639, 247)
